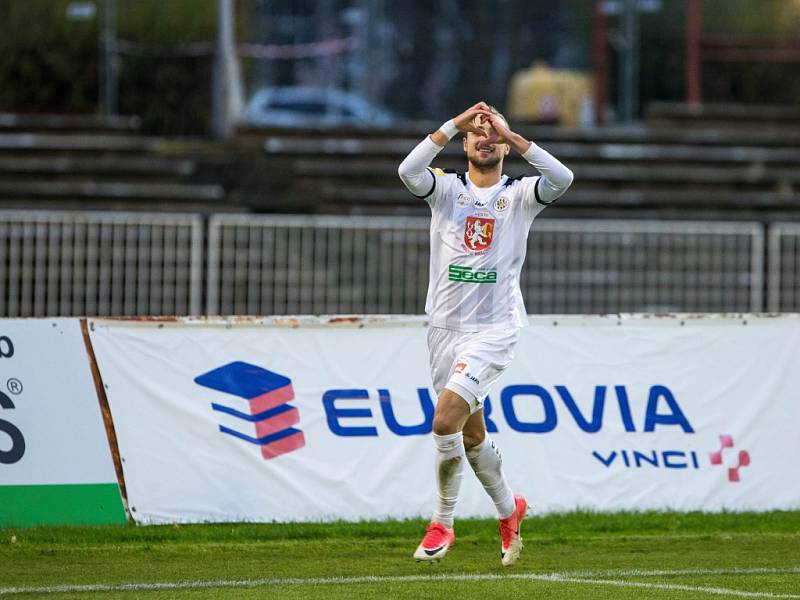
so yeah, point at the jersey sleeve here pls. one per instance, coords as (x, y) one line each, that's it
(530, 196)
(417, 175)
(441, 183)
(554, 180)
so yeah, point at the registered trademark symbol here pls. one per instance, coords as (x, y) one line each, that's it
(14, 386)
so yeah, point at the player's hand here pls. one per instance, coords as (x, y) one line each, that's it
(499, 133)
(471, 118)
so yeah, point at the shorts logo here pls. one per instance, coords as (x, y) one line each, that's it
(461, 368)
(467, 275)
(478, 233)
(501, 204)
(463, 200)
(268, 417)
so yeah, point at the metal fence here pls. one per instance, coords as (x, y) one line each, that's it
(643, 266)
(87, 263)
(317, 265)
(783, 293)
(100, 264)
(327, 265)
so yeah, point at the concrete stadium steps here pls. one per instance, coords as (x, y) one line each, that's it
(117, 190)
(586, 198)
(641, 134)
(359, 174)
(103, 166)
(150, 205)
(587, 151)
(759, 118)
(63, 123)
(16, 143)
(755, 175)
(640, 171)
(83, 161)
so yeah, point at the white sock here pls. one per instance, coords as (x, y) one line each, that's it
(488, 466)
(449, 469)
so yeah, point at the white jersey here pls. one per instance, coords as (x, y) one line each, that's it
(479, 237)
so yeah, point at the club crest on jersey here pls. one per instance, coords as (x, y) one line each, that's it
(478, 232)
(501, 204)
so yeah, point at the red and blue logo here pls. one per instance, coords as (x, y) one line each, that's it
(269, 417)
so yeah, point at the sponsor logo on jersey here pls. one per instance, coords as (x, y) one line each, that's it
(501, 204)
(460, 367)
(467, 275)
(480, 203)
(478, 232)
(463, 200)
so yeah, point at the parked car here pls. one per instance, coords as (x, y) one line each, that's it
(310, 106)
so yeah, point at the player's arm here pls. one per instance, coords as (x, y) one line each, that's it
(414, 171)
(556, 177)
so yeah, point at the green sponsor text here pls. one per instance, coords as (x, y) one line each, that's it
(467, 275)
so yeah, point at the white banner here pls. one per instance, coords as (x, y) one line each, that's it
(51, 430)
(330, 419)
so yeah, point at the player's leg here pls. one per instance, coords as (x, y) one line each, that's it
(485, 357)
(452, 411)
(485, 459)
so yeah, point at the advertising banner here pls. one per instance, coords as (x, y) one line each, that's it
(55, 462)
(314, 418)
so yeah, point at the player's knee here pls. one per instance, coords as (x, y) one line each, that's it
(473, 438)
(442, 425)
(451, 413)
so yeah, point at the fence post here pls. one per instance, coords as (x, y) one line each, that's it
(227, 101)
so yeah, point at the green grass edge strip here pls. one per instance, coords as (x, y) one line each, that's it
(66, 504)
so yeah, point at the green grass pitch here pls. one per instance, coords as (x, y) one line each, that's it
(575, 555)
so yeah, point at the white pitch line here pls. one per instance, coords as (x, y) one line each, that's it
(669, 572)
(581, 578)
(680, 587)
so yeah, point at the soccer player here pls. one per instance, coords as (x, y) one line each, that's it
(479, 229)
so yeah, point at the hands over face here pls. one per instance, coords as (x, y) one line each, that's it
(473, 119)
(496, 129)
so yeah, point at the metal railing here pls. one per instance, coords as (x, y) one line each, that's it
(643, 266)
(100, 264)
(783, 290)
(105, 264)
(281, 264)
(317, 265)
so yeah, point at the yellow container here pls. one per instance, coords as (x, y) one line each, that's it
(544, 95)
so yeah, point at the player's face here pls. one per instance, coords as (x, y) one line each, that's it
(484, 152)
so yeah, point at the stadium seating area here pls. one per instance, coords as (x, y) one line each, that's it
(746, 166)
(89, 162)
(684, 162)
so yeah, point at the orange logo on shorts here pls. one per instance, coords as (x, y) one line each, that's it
(460, 367)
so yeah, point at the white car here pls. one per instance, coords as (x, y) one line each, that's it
(310, 106)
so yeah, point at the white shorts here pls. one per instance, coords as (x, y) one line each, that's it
(469, 362)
